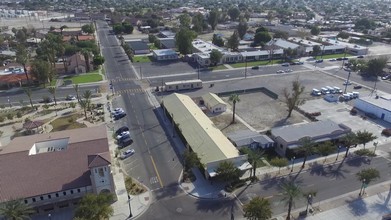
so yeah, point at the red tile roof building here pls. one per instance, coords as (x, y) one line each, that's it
(54, 169)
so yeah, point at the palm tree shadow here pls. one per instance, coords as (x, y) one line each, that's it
(383, 207)
(357, 161)
(357, 207)
(272, 182)
(317, 169)
(337, 173)
(224, 208)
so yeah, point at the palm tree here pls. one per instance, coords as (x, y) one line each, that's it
(52, 90)
(86, 54)
(16, 210)
(234, 98)
(28, 93)
(363, 137)
(84, 105)
(22, 57)
(254, 155)
(349, 141)
(257, 209)
(290, 192)
(227, 171)
(308, 148)
(76, 87)
(95, 207)
(87, 97)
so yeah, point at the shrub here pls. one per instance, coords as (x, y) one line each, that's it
(2, 106)
(365, 152)
(353, 111)
(45, 106)
(386, 132)
(19, 114)
(2, 118)
(10, 116)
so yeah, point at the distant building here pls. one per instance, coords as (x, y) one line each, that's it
(214, 103)
(138, 47)
(251, 139)
(166, 34)
(167, 43)
(288, 137)
(55, 170)
(165, 54)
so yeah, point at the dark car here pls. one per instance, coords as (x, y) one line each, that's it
(345, 58)
(121, 129)
(119, 115)
(125, 142)
(319, 61)
(361, 56)
(357, 87)
(339, 58)
(255, 67)
(46, 100)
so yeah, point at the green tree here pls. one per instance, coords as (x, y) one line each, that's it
(190, 159)
(16, 210)
(290, 192)
(364, 24)
(293, 98)
(281, 34)
(41, 70)
(316, 50)
(343, 35)
(117, 29)
(98, 60)
(242, 29)
(365, 152)
(88, 28)
(261, 29)
(375, 67)
(198, 22)
(184, 20)
(368, 175)
(52, 91)
(95, 207)
(257, 209)
(183, 40)
(307, 146)
(233, 41)
(27, 91)
(234, 98)
(254, 155)
(21, 36)
(215, 57)
(22, 57)
(261, 38)
(213, 18)
(233, 13)
(217, 40)
(350, 140)
(363, 137)
(127, 28)
(227, 171)
(315, 30)
(76, 87)
(279, 162)
(87, 98)
(325, 149)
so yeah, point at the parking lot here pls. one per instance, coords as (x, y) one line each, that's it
(164, 68)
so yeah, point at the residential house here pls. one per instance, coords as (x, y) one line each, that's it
(214, 103)
(251, 139)
(138, 47)
(165, 54)
(167, 43)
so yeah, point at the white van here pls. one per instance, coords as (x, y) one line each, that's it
(324, 91)
(356, 95)
(346, 97)
(337, 90)
(316, 92)
(331, 89)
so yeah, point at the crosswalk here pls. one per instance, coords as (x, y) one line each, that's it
(129, 91)
(123, 80)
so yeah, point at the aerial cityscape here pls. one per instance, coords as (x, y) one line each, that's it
(171, 110)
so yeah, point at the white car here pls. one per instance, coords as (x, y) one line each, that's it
(280, 71)
(289, 70)
(347, 83)
(123, 135)
(127, 154)
(117, 111)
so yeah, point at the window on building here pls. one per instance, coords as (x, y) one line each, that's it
(105, 169)
(25, 201)
(78, 190)
(64, 193)
(41, 197)
(101, 173)
(71, 191)
(49, 196)
(33, 199)
(57, 195)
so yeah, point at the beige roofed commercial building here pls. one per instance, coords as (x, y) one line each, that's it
(201, 135)
(214, 103)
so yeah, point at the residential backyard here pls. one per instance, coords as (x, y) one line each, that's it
(142, 59)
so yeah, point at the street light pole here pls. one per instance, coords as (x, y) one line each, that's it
(362, 190)
(347, 82)
(339, 148)
(245, 69)
(293, 162)
(130, 208)
(375, 145)
(50, 216)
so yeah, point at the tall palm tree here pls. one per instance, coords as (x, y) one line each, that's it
(16, 210)
(308, 148)
(86, 53)
(257, 209)
(363, 137)
(22, 57)
(95, 207)
(290, 192)
(83, 104)
(87, 98)
(234, 98)
(28, 93)
(76, 87)
(52, 90)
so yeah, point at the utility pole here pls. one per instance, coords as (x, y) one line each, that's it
(198, 70)
(141, 74)
(346, 83)
(245, 69)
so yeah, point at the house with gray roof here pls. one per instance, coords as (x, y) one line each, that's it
(288, 137)
(251, 139)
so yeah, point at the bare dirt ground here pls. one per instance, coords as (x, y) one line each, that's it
(262, 112)
(223, 122)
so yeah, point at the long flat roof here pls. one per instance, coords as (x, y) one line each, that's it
(201, 134)
(381, 102)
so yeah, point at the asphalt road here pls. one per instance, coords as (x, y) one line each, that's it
(152, 163)
(328, 182)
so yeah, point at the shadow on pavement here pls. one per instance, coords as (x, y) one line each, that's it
(168, 191)
(337, 172)
(317, 169)
(357, 207)
(357, 161)
(383, 205)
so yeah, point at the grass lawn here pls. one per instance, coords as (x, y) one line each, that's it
(67, 123)
(220, 67)
(152, 47)
(53, 82)
(85, 78)
(330, 56)
(142, 59)
(255, 63)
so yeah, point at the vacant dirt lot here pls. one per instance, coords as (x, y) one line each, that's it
(223, 122)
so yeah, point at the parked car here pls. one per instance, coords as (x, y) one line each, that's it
(361, 56)
(386, 77)
(357, 87)
(127, 154)
(280, 71)
(121, 129)
(318, 61)
(255, 67)
(333, 59)
(345, 58)
(285, 64)
(125, 142)
(288, 70)
(118, 110)
(70, 98)
(118, 116)
(339, 59)
(123, 135)
(46, 100)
